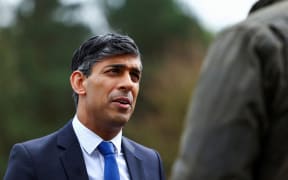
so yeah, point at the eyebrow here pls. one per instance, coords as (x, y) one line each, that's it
(121, 66)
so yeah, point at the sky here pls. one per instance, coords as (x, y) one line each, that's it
(214, 15)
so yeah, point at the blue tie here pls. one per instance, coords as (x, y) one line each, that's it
(111, 171)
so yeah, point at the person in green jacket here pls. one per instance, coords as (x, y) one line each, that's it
(237, 122)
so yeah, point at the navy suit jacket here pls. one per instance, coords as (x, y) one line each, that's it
(58, 156)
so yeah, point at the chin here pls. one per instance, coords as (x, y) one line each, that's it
(120, 120)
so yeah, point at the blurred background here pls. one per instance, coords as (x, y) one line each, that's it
(37, 40)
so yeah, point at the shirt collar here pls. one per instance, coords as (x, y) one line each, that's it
(89, 140)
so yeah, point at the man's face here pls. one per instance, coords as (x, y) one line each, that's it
(111, 90)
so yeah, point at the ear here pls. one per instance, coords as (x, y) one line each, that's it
(77, 81)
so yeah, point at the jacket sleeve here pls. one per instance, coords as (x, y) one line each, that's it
(228, 115)
(20, 164)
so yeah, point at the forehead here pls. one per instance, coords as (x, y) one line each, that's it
(125, 60)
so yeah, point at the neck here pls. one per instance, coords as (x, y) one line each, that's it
(105, 130)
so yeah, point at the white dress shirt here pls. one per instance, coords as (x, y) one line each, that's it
(93, 159)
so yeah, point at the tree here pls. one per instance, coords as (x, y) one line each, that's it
(149, 21)
(35, 53)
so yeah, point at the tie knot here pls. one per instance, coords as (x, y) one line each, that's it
(106, 148)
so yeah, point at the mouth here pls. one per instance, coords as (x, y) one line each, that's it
(123, 101)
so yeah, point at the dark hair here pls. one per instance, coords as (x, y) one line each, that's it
(261, 4)
(98, 48)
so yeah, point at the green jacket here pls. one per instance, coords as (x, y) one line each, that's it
(237, 124)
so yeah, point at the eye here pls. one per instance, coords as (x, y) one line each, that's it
(135, 76)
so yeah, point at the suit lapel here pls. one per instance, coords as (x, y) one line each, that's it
(71, 155)
(134, 162)
(73, 162)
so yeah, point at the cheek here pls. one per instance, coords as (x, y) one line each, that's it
(97, 88)
(135, 92)
(106, 89)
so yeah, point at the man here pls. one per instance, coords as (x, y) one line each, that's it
(106, 72)
(237, 125)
